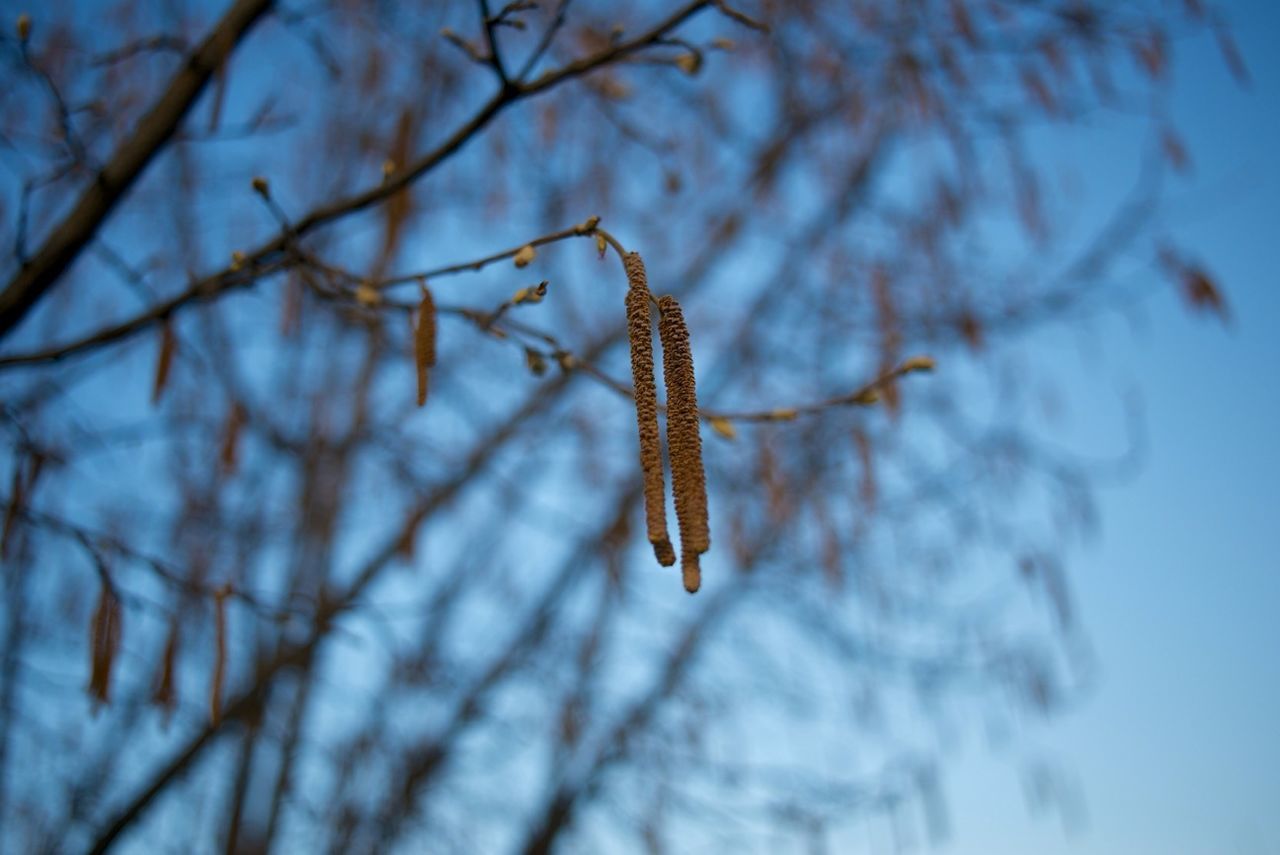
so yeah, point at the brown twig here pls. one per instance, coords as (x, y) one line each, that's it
(75, 231)
(37, 277)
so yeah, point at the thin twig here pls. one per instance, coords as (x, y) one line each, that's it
(35, 279)
(100, 198)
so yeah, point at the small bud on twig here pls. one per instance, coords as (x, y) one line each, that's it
(367, 295)
(532, 294)
(918, 363)
(689, 63)
(724, 427)
(867, 397)
(535, 362)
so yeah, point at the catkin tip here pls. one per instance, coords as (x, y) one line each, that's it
(692, 573)
(664, 552)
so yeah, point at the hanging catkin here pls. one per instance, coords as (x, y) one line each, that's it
(646, 395)
(164, 359)
(165, 695)
(104, 643)
(424, 342)
(684, 443)
(219, 653)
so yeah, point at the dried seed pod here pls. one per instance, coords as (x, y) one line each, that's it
(684, 442)
(646, 394)
(104, 643)
(424, 342)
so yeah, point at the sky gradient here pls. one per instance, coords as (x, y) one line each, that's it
(1178, 748)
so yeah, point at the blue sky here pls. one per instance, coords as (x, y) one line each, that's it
(1178, 748)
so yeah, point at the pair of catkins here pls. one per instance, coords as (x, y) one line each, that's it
(684, 443)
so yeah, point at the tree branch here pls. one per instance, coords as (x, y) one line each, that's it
(262, 256)
(70, 237)
(294, 656)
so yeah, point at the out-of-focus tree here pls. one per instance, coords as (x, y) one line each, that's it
(254, 595)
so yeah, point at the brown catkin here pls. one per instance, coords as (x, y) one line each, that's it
(424, 342)
(16, 499)
(229, 454)
(684, 442)
(164, 359)
(25, 473)
(166, 695)
(104, 643)
(645, 389)
(219, 653)
(690, 571)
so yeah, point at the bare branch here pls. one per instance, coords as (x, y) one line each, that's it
(63, 246)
